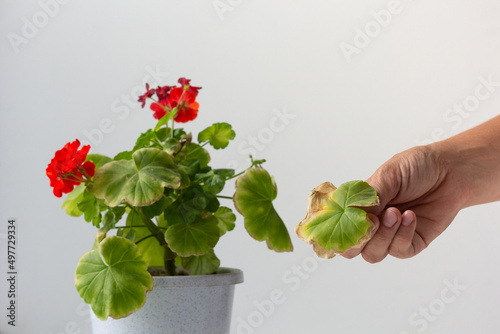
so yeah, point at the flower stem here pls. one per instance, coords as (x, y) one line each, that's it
(172, 129)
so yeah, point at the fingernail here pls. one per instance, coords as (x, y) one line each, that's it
(390, 218)
(407, 219)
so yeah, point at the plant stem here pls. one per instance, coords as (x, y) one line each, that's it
(236, 175)
(226, 197)
(169, 261)
(172, 129)
(135, 226)
(254, 163)
(142, 239)
(168, 255)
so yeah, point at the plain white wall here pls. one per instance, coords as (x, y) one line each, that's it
(349, 114)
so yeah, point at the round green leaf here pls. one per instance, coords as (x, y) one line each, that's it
(335, 221)
(225, 218)
(218, 135)
(193, 239)
(139, 181)
(113, 279)
(201, 265)
(193, 153)
(255, 191)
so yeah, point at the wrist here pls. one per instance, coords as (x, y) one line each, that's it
(472, 165)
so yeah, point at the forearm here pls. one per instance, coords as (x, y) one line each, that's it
(472, 158)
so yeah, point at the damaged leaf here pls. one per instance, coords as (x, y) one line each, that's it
(335, 220)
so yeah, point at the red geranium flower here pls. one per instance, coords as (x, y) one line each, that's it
(144, 97)
(183, 98)
(159, 109)
(185, 101)
(162, 92)
(68, 168)
(186, 82)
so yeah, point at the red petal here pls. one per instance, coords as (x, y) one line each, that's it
(89, 167)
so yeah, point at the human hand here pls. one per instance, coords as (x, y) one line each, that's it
(419, 198)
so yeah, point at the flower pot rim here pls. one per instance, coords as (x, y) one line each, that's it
(224, 276)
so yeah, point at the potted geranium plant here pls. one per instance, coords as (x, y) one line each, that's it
(158, 212)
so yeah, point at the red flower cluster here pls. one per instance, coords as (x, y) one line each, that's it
(68, 168)
(182, 99)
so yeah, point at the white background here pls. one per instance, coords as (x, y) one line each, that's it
(253, 59)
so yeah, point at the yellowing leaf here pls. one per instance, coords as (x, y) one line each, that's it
(335, 221)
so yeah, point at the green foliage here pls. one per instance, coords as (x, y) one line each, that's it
(113, 278)
(169, 197)
(90, 206)
(140, 182)
(164, 120)
(99, 160)
(255, 191)
(152, 252)
(335, 221)
(193, 154)
(201, 265)
(226, 219)
(218, 135)
(196, 238)
(71, 202)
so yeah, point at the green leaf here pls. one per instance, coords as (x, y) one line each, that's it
(171, 145)
(157, 207)
(96, 221)
(109, 220)
(212, 182)
(193, 239)
(192, 153)
(164, 120)
(218, 135)
(140, 181)
(224, 172)
(89, 205)
(201, 265)
(146, 139)
(71, 201)
(98, 159)
(193, 201)
(111, 217)
(226, 219)
(173, 215)
(125, 155)
(335, 221)
(255, 191)
(131, 235)
(113, 279)
(152, 252)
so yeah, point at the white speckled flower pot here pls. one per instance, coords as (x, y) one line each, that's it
(180, 304)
